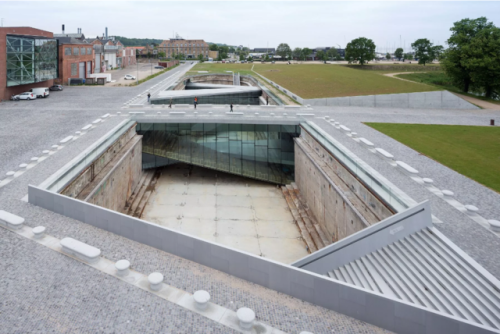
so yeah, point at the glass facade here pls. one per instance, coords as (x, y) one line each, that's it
(30, 60)
(259, 151)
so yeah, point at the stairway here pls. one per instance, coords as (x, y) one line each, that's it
(139, 198)
(310, 230)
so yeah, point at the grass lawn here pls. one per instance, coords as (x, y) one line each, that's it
(441, 80)
(473, 151)
(315, 81)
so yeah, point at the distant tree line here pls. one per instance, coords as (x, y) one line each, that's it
(138, 41)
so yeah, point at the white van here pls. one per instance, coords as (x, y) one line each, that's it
(40, 92)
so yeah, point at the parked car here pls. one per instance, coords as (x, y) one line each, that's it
(159, 67)
(56, 87)
(40, 92)
(129, 77)
(25, 96)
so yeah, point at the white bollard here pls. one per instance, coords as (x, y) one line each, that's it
(201, 299)
(471, 210)
(494, 225)
(246, 317)
(38, 232)
(54, 147)
(10, 175)
(428, 181)
(122, 268)
(23, 166)
(448, 194)
(45, 152)
(155, 281)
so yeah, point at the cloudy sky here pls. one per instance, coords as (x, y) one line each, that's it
(255, 24)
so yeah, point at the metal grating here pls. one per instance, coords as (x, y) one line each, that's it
(426, 270)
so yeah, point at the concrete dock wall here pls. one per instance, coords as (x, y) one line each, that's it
(88, 174)
(120, 180)
(338, 201)
(427, 100)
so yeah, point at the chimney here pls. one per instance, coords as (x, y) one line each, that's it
(106, 32)
(63, 29)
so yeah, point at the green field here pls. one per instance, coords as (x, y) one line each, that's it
(314, 81)
(318, 80)
(441, 80)
(473, 151)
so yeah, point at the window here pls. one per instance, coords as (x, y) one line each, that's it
(83, 52)
(74, 69)
(76, 51)
(67, 51)
(89, 51)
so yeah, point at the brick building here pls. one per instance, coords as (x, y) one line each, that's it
(76, 59)
(28, 59)
(108, 53)
(191, 48)
(128, 57)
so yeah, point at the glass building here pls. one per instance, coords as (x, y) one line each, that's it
(31, 60)
(259, 151)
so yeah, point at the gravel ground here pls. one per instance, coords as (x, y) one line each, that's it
(43, 291)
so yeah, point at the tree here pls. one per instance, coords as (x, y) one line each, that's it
(200, 58)
(283, 50)
(361, 49)
(161, 54)
(332, 53)
(242, 57)
(399, 53)
(482, 60)
(213, 47)
(320, 55)
(266, 58)
(297, 53)
(250, 58)
(387, 56)
(408, 56)
(459, 58)
(223, 51)
(305, 53)
(425, 52)
(437, 51)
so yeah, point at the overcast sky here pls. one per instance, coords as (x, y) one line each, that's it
(255, 24)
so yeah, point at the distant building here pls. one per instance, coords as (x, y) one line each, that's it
(269, 51)
(28, 59)
(76, 59)
(191, 48)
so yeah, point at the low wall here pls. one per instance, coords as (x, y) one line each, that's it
(284, 90)
(371, 307)
(426, 100)
(89, 173)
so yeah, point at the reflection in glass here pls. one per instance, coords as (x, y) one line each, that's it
(30, 60)
(260, 151)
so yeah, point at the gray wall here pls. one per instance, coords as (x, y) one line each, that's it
(426, 100)
(339, 202)
(371, 307)
(120, 181)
